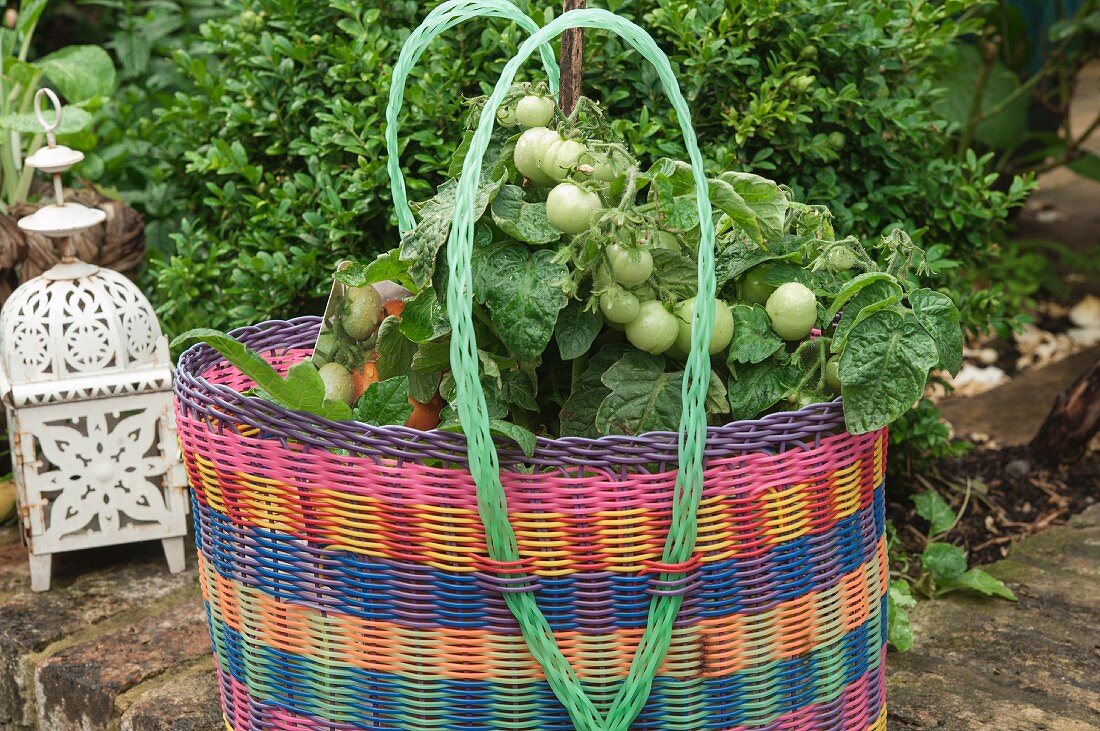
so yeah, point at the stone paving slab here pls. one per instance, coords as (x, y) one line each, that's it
(999, 666)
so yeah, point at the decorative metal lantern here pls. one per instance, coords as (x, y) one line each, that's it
(86, 379)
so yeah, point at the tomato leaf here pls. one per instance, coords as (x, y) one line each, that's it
(523, 291)
(385, 266)
(757, 387)
(420, 246)
(501, 428)
(674, 176)
(675, 273)
(739, 257)
(753, 337)
(725, 198)
(643, 396)
(523, 221)
(940, 318)
(395, 351)
(302, 389)
(880, 292)
(883, 368)
(519, 387)
(932, 507)
(854, 286)
(718, 397)
(385, 402)
(578, 413)
(576, 330)
(765, 199)
(424, 317)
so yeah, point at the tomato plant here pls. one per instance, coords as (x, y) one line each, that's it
(584, 283)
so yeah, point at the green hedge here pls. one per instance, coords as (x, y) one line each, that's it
(274, 160)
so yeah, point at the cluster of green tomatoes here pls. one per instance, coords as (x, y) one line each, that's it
(548, 159)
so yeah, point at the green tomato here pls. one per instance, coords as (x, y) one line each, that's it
(560, 157)
(529, 147)
(753, 287)
(793, 310)
(572, 209)
(666, 240)
(619, 306)
(654, 329)
(832, 373)
(506, 116)
(339, 384)
(535, 111)
(361, 312)
(720, 335)
(842, 258)
(629, 267)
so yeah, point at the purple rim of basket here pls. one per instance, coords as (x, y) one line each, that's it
(200, 399)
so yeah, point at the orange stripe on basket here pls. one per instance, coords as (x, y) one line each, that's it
(713, 647)
(594, 522)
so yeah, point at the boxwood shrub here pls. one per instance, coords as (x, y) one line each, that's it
(272, 163)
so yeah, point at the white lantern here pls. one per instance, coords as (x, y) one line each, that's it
(86, 379)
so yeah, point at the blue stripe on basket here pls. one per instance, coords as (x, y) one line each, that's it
(415, 595)
(374, 700)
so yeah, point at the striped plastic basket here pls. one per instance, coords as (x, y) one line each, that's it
(361, 577)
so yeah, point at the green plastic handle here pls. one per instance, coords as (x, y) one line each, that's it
(442, 18)
(483, 459)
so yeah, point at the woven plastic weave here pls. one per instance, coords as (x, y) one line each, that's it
(380, 577)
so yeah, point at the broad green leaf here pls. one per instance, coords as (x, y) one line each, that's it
(576, 330)
(675, 174)
(73, 120)
(395, 351)
(79, 73)
(757, 387)
(498, 156)
(499, 428)
(29, 13)
(854, 286)
(718, 397)
(871, 299)
(524, 438)
(385, 402)
(578, 413)
(786, 271)
(302, 389)
(932, 507)
(424, 317)
(764, 197)
(943, 562)
(420, 246)
(523, 291)
(960, 83)
(519, 387)
(900, 600)
(387, 266)
(883, 369)
(423, 385)
(643, 396)
(738, 258)
(431, 357)
(674, 272)
(938, 315)
(753, 337)
(1087, 164)
(978, 581)
(725, 198)
(523, 221)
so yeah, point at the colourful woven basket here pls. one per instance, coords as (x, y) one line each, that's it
(361, 577)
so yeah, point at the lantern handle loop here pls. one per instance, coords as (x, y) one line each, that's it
(51, 140)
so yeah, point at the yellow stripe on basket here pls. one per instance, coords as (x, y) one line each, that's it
(712, 647)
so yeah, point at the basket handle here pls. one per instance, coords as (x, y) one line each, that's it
(483, 460)
(442, 18)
